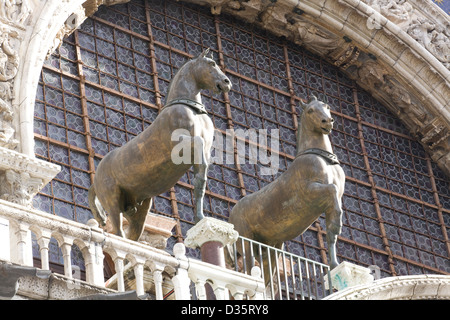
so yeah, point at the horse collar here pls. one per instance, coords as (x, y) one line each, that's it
(194, 105)
(328, 156)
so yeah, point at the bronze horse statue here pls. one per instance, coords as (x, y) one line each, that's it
(312, 185)
(128, 177)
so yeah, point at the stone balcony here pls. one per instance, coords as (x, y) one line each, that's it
(148, 273)
(153, 269)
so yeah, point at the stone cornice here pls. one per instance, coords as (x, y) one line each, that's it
(416, 287)
(19, 162)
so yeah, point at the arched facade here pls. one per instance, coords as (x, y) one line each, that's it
(387, 53)
(420, 287)
(411, 77)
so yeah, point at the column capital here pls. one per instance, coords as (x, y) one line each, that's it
(210, 229)
(347, 274)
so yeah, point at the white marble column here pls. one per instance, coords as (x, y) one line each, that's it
(211, 235)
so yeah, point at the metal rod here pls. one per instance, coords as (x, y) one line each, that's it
(286, 283)
(300, 278)
(315, 280)
(243, 256)
(252, 256)
(293, 277)
(261, 262)
(278, 275)
(272, 291)
(236, 266)
(308, 279)
(322, 280)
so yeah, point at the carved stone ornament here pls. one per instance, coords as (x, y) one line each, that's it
(9, 64)
(348, 33)
(414, 287)
(315, 38)
(397, 11)
(21, 177)
(19, 187)
(15, 11)
(210, 229)
(435, 38)
(72, 22)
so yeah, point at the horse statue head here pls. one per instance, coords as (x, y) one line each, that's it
(317, 116)
(200, 73)
(209, 75)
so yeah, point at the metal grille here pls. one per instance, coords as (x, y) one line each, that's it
(291, 277)
(107, 82)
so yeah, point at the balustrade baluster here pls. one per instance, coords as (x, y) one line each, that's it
(94, 265)
(221, 292)
(22, 237)
(139, 277)
(200, 289)
(43, 242)
(66, 249)
(118, 264)
(158, 280)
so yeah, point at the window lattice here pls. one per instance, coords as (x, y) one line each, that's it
(107, 82)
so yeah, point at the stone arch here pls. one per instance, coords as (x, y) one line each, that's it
(416, 287)
(390, 60)
(379, 47)
(50, 22)
(80, 264)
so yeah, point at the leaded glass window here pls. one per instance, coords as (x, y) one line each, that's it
(108, 81)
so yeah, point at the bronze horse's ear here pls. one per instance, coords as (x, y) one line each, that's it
(205, 52)
(312, 98)
(302, 105)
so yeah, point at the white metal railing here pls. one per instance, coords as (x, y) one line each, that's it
(286, 275)
(18, 222)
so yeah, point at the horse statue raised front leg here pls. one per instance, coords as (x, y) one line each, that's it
(312, 185)
(128, 177)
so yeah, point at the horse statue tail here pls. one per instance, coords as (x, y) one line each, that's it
(96, 208)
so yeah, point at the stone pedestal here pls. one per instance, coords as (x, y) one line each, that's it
(211, 235)
(347, 274)
(157, 229)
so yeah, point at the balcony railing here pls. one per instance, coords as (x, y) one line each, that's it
(286, 275)
(177, 272)
(291, 276)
